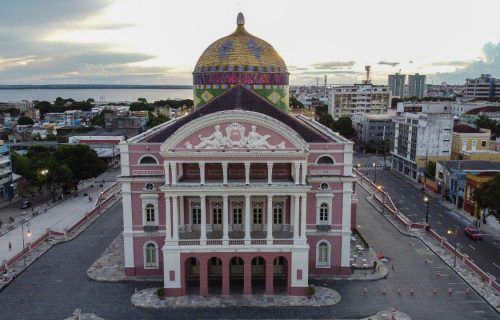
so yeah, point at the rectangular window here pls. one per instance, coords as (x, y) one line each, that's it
(278, 215)
(237, 215)
(257, 215)
(217, 215)
(195, 214)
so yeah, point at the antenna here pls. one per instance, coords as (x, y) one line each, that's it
(367, 69)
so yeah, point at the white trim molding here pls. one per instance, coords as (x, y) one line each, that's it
(156, 255)
(328, 263)
(320, 199)
(150, 198)
(147, 164)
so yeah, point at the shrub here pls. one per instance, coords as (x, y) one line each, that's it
(160, 292)
(311, 291)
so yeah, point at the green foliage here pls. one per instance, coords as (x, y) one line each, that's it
(488, 196)
(296, 104)
(156, 120)
(60, 105)
(430, 170)
(36, 137)
(415, 99)
(81, 160)
(98, 120)
(487, 123)
(50, 137)
(14, 112)
(20, 165)
(25, 121)
(311, 290)
(160, 292)
(343, 125)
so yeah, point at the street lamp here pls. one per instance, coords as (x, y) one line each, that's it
(28, 234)
(380, 188)
(426, 200)
(374, 173)
(450, 232)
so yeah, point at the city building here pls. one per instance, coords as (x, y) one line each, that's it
(359, 98)
(375, 131)
(125, 121)
(7, 185)
(482, 88)
(418, 139)
(238, 191)
(416, 85)
(472, 182)
(56, 118)
(471, 143)
(396, 83)
(453, 177)
(491, 111)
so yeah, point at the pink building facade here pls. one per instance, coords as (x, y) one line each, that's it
(237, 197)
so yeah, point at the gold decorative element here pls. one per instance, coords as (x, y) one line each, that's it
(207, 96)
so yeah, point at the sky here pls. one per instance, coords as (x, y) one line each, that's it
(159, 41)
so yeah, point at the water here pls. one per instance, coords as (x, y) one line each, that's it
(107, 95)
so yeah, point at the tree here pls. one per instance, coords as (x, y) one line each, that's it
(50, 137)
(142, 100)
(487, 123)
(487, 196)
(20, 164)
(296, 104)
(98, 120)
(25, 121)
(344, 127)
(81, 160)
(156, 120)
(430, 170)
(36, 137)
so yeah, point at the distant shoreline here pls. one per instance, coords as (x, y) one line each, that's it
(92, 86)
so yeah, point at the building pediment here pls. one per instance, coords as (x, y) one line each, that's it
(234, 131)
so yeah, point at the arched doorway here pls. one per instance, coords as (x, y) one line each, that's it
(258, 275)
(280, 275)
(192, 275)
(214, 273)
(236, 275)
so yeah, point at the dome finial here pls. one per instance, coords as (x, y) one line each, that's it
(240, 20)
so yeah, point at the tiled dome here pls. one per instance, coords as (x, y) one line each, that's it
(240, 50)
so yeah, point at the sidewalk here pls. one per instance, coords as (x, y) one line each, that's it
(57, 218)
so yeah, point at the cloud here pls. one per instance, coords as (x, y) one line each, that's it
(490, 64)
(454, 63)
(387, 63)
(333, 64)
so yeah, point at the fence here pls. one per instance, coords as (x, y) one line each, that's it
(111, 193)
(390, 208)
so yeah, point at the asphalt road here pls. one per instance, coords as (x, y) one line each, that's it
(409, 200)
(56, 284)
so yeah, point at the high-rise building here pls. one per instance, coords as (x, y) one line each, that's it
(396, 83)
(7, 186)
(416, 85)
(482, 88)
(359, 98)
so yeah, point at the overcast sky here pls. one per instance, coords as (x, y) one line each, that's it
(159, 42)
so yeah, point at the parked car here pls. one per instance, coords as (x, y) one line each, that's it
(473, 233)
(25, 205)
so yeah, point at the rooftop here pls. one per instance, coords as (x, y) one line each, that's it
(463, 128)
(484, 109)
(474, 165)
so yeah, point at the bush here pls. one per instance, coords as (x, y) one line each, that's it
(311, 290)
(160, 292)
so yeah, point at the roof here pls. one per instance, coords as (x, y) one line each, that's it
(240, 49)
(241, 98)
(474, 165)
(484, 109)
(463, 128)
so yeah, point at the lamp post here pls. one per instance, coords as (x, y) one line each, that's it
(374, 173)
(426, 200)
(450, 232)
(28, 234)
(380, 188)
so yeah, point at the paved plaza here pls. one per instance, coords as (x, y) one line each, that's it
(58, 283)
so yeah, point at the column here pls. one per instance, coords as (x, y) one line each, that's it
(269, 225)
(201, 164)
(225, 277)
(269, 173)
(175, 220)
(203, 277)
(203, 228)
(269, 277)
(173, 169)
(292, 212)
(296, 207)
(247, 219)
(181, 213)
(303, 215)
(297, 172)
(247, 276)
(166, 167)
(247, 173)
(224, 173)
(304, 172)
(168, 220)
(225, 216)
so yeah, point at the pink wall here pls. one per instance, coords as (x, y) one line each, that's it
(336, 249)
(139, 256)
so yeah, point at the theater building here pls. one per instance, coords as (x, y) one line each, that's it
(238, 197)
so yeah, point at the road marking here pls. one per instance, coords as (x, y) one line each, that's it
(440, 215)
(496, 265)
(472, 247)
(439, 222)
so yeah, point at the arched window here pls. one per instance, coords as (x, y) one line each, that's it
(325, 160)
(148, 160)
(323, 254)
(323, 213)
(151, 255)
(150, 213)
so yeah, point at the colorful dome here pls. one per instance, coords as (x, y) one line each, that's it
(241, 58)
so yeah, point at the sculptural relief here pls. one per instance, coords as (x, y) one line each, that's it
(235, 138)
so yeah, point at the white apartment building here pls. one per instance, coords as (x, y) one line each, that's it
(419, 138)
(345, 101)
(457, 109)
(396, 83)
(416, 85)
